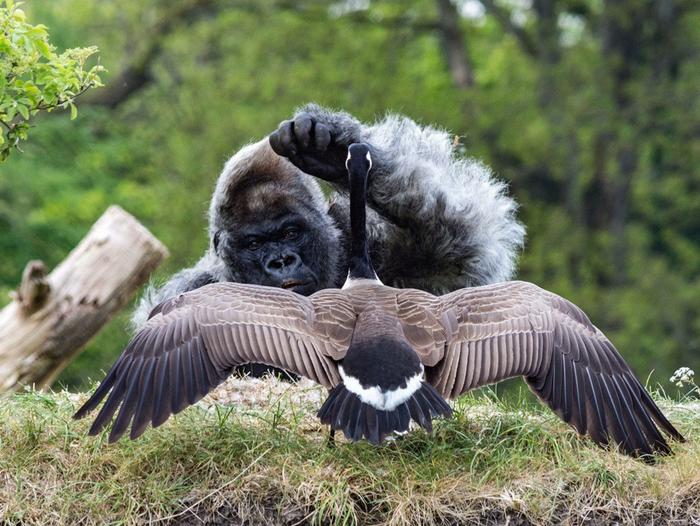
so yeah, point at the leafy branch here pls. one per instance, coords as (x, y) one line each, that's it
(33, 77)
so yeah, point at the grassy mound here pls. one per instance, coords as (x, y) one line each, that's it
(494, 462)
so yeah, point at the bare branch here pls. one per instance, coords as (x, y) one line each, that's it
(63, 102)
(137, 74)
(503, 17)
(34, 289)
(395, 22)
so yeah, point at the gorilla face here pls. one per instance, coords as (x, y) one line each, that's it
(279, 251)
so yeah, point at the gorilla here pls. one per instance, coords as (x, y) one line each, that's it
(435, 221)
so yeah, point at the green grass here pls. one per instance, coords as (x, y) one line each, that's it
(493, 462)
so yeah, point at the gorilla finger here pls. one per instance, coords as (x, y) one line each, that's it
(303, 125)
(287, 138)
(322, 137)
(275, 143)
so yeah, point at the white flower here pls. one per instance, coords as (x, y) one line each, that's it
(684, 375)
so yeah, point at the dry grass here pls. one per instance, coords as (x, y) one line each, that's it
(495, 462)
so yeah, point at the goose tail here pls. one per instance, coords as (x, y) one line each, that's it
(359, 415)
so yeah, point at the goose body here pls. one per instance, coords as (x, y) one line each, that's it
(382, 378)
(387, 355)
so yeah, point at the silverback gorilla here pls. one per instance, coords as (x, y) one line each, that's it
(436, 222)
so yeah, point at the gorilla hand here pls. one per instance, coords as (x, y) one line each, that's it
(315, 145)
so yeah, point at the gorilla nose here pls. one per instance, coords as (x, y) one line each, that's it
(283, 265)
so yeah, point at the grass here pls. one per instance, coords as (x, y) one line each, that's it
(494, 462)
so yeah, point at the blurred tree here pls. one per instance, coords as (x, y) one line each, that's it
(588, 108)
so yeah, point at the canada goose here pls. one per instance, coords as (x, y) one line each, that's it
(388, 355)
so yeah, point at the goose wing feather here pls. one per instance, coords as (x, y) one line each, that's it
(518, 329)
(192, 342)
(425, 323)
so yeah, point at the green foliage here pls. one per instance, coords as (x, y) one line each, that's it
(33, 77)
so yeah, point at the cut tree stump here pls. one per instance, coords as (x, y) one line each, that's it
(52, 317)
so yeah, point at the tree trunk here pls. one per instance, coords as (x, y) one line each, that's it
(52, 317)
(453, 43)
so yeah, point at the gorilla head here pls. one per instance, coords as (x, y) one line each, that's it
(268, 225)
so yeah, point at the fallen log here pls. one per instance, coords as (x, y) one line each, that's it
(51, 318)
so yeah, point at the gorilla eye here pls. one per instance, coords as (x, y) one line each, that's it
(253, 244)
(290, 233)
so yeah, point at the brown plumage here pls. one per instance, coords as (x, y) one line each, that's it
(466, 339)
(389, 355)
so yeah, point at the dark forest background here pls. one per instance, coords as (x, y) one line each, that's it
(587, 108)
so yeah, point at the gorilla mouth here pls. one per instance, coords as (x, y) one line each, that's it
(291, 283)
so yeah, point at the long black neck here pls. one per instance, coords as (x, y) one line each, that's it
(360, 262)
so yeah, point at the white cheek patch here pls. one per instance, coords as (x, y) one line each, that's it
(367, 156)
(376, 397)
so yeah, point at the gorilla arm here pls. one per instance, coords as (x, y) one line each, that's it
(441, 222)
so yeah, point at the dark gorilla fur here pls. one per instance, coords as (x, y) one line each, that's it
(435, 221)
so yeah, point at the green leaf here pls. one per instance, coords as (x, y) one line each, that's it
(43, 48)
(23, 111)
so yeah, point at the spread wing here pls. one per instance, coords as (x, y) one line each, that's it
(518, 329)
(191, 343)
